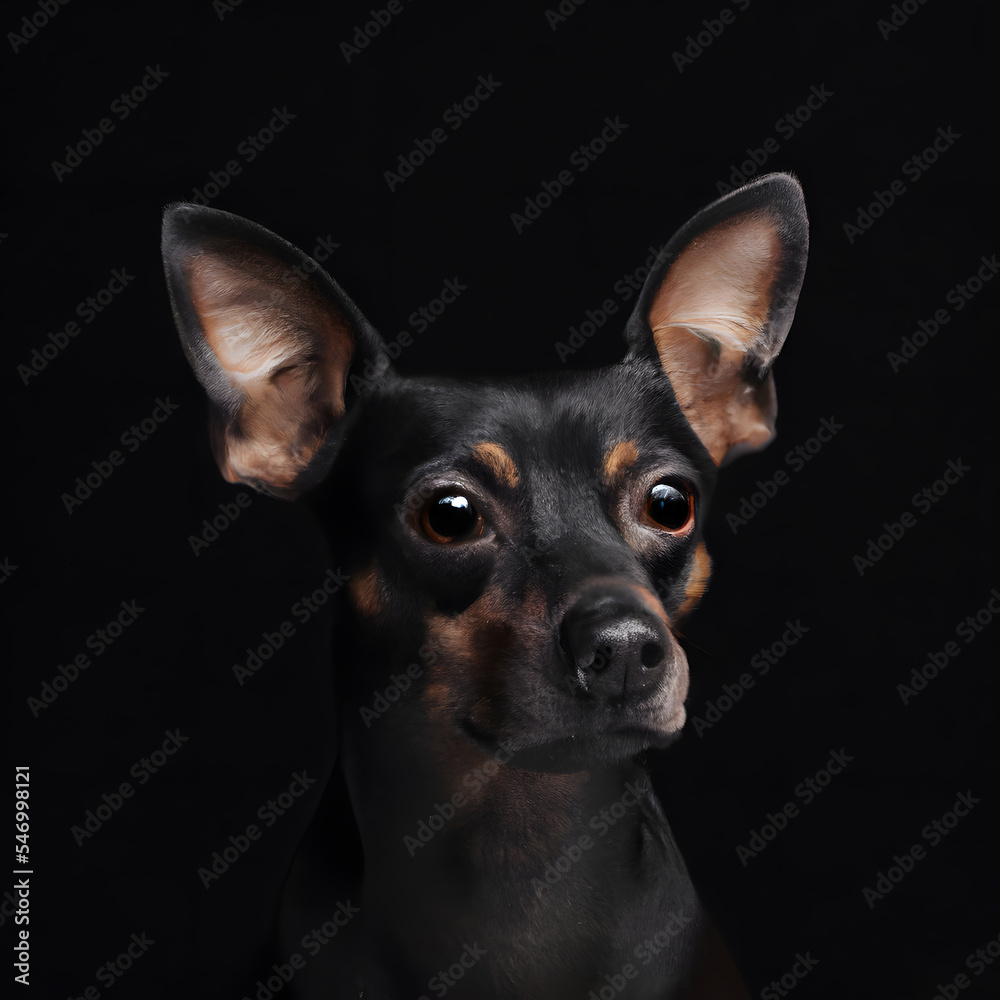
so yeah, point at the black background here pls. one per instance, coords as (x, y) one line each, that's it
(323, 176)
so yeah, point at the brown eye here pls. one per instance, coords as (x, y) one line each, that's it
(670, 507)
(450, 519)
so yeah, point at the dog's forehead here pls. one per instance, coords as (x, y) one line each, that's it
(597, 423)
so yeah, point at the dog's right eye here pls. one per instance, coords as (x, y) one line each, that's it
(451, 518)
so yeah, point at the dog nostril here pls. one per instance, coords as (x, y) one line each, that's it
(651, 654)
(602, 657)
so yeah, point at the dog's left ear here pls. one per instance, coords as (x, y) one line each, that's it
(716, 309)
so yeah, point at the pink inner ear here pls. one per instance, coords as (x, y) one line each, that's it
(283, 352)
(257, 324)
(722, 281)
(709, 312)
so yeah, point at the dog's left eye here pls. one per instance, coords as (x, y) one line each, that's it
(451, 518)
(670, 507)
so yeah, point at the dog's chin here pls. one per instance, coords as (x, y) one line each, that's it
(576, 752)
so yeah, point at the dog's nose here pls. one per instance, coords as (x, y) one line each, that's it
(618, 648)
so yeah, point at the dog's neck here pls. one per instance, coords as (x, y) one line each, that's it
(445, 862)
(452, 798)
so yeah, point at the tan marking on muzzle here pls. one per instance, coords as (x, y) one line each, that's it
(654, 604)
(365, 592)
(698, 583)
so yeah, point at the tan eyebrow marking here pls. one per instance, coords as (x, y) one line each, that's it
(698, 583)
(498, 462)
(618, 459)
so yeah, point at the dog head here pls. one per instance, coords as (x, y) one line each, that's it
(528, 545)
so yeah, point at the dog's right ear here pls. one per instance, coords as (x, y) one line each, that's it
(271, 336)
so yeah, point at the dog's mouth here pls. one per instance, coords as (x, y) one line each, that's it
(544, 721)
(580, 751)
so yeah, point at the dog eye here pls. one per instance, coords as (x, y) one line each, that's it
(451, 518)
(670, 507)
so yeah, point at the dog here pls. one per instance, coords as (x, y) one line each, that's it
(521, 553)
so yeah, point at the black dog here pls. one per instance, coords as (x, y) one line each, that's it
(521, 552)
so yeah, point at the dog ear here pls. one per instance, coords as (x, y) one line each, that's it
(717, 306)
(271, 337)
